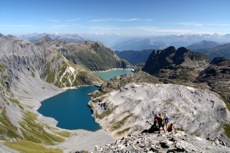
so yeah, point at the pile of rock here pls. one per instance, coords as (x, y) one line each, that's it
(164, 142)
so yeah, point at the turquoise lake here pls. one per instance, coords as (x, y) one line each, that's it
(70, 107)
(112, 73)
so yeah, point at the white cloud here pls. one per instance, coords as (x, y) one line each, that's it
(53, 20)
(72, 20)
(16, 25)
(191, 24)
(137, 30)
(196, 24)
(121, 20)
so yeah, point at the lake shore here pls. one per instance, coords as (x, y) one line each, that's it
(79, 139)
(112, 69)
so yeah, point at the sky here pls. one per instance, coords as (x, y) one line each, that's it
(120, 17)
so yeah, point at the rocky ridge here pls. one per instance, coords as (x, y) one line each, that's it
(23, 57)
(165, 142)
(175, 63)
(88, 54)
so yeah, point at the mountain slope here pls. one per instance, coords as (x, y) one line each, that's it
(91, 55)
(197, 112)
(203, 44)
(219, 51)
(28, 75)
(139, 44)
(23, 56)
(217, 76)
(175, 64)
(134, 57)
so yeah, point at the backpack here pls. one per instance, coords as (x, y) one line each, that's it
(166, 119)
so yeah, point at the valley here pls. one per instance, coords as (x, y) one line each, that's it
(193, 91)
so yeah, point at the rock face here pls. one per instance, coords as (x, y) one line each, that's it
(164, 142)
(194, 111)
(174, 64)
(91, 55)
(134, 57)
(22, 57)
(217, 76)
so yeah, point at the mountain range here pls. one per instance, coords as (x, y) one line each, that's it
(184, 84)
(208, 48)
(33, 37)
(203, 45)
(121, 43)
(161, 42)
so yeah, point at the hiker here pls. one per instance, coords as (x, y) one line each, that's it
(166, 119)
(160, 122)
(170, 127)
(152, 129)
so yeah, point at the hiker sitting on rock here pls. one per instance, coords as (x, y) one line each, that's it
(170, 127)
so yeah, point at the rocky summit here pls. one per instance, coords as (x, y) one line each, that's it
(172, 63)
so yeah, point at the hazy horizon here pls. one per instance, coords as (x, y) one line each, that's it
(125, 18)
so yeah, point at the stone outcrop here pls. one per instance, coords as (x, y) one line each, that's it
(174, 64)
(164, 142)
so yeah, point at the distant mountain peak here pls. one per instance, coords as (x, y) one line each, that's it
(64, 37)
(45, 38)
(203, 44)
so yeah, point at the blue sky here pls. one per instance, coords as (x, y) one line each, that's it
(123, 17)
